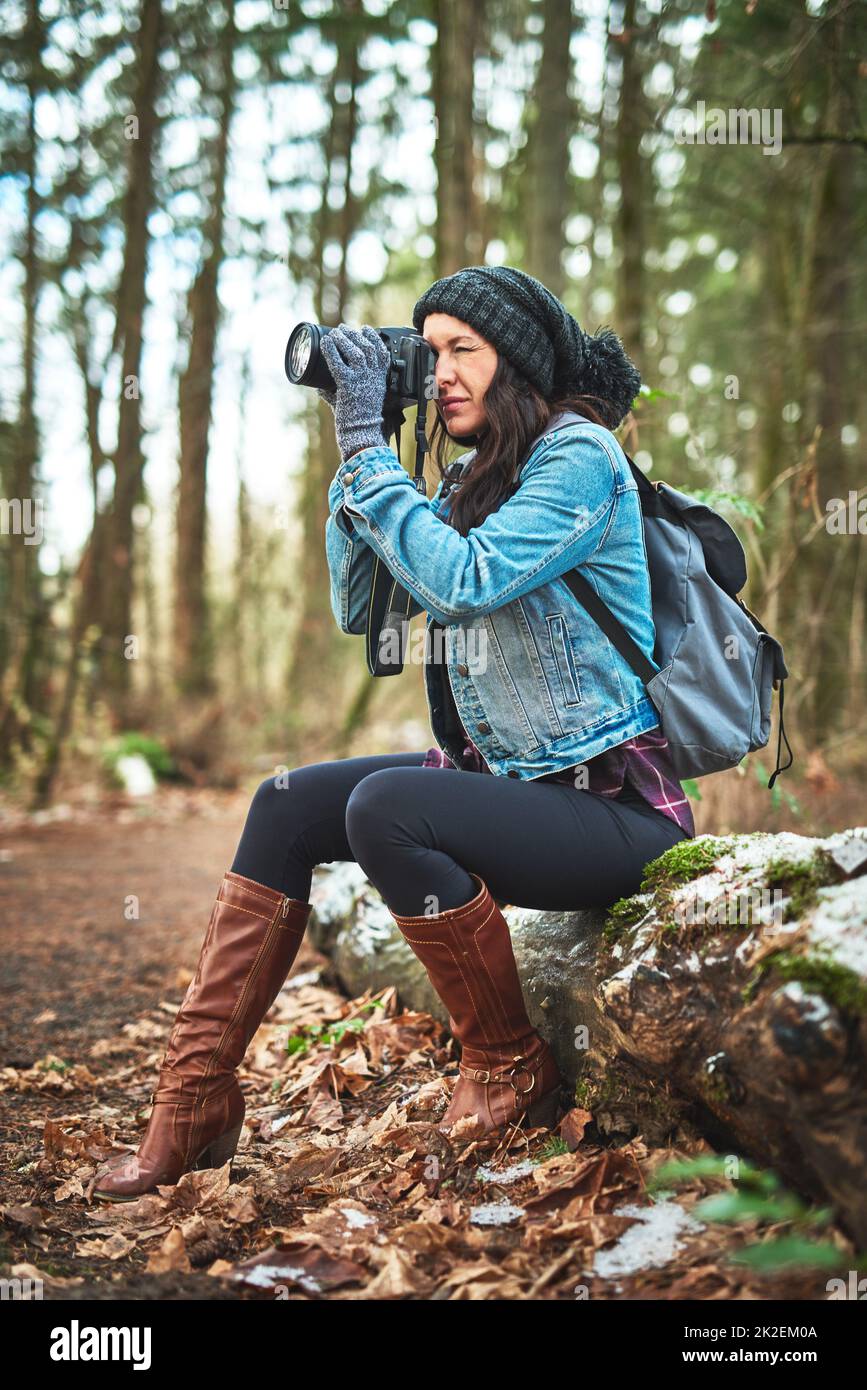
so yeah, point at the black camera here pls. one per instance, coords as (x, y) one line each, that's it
(410, 379)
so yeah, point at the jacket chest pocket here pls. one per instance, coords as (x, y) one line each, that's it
(564, 658)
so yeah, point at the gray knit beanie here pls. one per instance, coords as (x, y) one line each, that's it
(529, 325)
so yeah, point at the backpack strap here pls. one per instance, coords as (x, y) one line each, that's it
(652, 503)
(781, 734)
(613, 629)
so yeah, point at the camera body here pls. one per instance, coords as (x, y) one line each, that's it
(410, 371)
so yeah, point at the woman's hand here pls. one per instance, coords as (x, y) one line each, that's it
(358, 362)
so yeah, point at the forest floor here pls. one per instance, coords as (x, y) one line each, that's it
(342, 1186)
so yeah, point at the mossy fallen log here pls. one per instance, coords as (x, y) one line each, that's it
(728, 997)
(743, 982)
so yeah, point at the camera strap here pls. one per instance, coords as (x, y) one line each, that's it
(389, 603)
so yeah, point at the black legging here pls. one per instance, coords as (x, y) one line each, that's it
(417, 831)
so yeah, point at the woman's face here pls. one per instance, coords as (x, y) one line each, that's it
(465, 365)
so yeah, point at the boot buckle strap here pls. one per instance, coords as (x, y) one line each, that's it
(473, 1074)
(504, 1074)
(522, 1065)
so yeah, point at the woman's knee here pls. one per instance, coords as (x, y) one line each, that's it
(277, 802)
(370, 810)
(274, 789)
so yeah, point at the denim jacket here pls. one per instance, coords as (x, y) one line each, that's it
(537, 685)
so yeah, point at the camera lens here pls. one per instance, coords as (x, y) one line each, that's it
(304, 364)
(299, 353)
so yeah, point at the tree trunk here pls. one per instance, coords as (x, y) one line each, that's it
(316, 660)
(454, 62)
(193, 639)
(128, 460)
(23, 605)
(548, 152)
(831, 336)
(630, 216)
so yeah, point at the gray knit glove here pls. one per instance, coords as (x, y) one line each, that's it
(358, 362)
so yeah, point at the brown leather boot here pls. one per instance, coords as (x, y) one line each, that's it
(198, 1108)
(507, 1071)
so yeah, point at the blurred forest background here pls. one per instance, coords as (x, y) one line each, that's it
(182, 183)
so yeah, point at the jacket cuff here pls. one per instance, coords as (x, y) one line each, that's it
(354, 473)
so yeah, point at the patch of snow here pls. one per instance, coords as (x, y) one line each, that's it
(512, 1173)
(624, 976)
(650, 1244)
(814, 1009)
(838, 923)
(495, 1214)
(355, 1218)
(266, 1276)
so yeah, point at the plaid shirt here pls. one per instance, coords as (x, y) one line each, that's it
(643, 760)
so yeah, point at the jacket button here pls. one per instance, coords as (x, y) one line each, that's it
(513, 773)
(483, 728)
(462, 669)
(349, 477)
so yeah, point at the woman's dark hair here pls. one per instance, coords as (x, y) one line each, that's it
(516, 413)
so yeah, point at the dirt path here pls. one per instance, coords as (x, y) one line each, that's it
(81, 962)
(73, 942)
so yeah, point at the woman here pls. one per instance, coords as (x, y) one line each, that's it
(573, 795)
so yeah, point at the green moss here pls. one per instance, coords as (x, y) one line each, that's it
(591, 1092)
(836, 983)
(623, 916)
(713, 1087)
(800, 881)
(596, 1090)
(686, 860)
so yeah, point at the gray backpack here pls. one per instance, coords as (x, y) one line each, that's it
(715, 664)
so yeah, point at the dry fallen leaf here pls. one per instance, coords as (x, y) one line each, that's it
(172, 1255)
(305, 1166)
(397, 1276)
(306, 1265)
(50, 1281)
(115, 1247)
(573, 1125)
(71, 1188)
